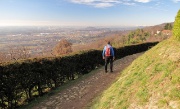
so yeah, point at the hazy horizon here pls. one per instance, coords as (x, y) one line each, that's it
(105, 13)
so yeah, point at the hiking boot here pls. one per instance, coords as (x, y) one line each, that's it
(111, 71)
(106, 71)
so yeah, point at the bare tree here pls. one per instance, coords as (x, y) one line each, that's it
(2, 57)
(16, 53)
(63, 47)
(23, 53)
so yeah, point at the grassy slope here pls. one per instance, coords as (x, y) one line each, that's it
(151, 81)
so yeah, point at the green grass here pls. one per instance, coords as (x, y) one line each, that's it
(154, 76)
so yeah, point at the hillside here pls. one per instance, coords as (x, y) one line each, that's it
(41, 41)
(152, 81)
(156, 27)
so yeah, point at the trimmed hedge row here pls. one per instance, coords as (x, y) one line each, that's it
(132, 49)
(26, 79)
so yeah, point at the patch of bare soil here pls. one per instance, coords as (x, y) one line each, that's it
(80, 94)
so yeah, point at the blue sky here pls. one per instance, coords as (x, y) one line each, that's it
(87, 12)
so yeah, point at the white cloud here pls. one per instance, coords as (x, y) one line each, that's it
(176, 1)
(108, 3)
(103, 5)
(142, 1)
(128, 3)
(97, 3)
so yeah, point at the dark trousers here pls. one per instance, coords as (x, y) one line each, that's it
(109, 59)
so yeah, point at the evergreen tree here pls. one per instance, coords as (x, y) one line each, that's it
(176, 28)
(168, 26)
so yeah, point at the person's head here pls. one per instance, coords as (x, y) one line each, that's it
(108, 42)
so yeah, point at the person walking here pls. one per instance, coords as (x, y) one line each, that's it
(108, 56)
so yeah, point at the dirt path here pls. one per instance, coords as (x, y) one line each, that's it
(83, 92)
